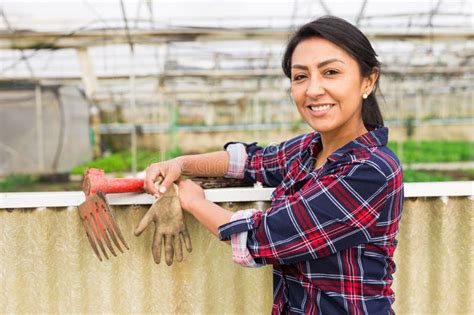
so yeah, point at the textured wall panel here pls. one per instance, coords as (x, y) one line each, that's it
(47, 266)
(435, 257)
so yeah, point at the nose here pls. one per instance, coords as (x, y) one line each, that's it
(315, 88)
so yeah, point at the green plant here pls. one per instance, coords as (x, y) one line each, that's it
(410, 127)
(434, 151)
(469, 171)
(122, 161)
(296, 124)
(16, 181)
(410, 176)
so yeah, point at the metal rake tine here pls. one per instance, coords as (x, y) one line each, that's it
(107, 220)
(95, 237)
(86, 212)
(104, 220)
(100, 225)
(91, 240)
(96, 234)
(114, 225)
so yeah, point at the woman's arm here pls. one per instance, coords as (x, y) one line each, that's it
(209, 164)
(328, 215)
(332, 213)
(213, 164)
(267, 165)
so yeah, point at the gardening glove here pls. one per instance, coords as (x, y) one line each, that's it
(170, 227)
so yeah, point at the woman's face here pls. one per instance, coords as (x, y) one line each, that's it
(327, 87)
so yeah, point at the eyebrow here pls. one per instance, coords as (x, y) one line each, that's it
(321, 64)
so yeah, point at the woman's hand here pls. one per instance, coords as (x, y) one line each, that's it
(170, 170)
(189, 193)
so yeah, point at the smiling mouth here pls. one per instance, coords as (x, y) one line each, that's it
(320, 108)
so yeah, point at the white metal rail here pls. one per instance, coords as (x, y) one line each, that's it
(74, 198)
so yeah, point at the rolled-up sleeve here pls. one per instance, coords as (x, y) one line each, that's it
(267, 165)
(327, 215)
(237, 159)
(235, 226)
(240, 252)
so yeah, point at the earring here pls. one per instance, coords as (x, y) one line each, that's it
(365, 95)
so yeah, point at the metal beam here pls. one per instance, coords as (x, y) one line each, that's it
(58, 40)
(246, 74)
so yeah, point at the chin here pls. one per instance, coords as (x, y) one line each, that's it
(318, 126)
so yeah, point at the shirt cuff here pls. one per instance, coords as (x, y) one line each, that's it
(237, 159)
(238, 241)
(235, 226)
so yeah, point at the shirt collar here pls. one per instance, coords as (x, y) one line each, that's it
(374, 138)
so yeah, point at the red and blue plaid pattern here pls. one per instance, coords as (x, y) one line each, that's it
(330, 232)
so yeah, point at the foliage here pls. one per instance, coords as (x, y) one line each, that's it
(433, 151)
(122, 161)
(16, 181)
(469, 171)
(410, 176)
(410, 127)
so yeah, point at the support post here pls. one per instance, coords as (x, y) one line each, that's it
(87, 72)
(91, 85)
(39, 128)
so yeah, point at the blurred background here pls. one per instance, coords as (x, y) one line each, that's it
(121, 84)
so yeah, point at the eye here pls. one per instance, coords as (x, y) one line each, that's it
(299, 77)
(331, 72)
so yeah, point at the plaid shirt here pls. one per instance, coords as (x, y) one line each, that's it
(330, 232)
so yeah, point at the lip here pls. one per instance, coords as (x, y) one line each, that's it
(320, 112)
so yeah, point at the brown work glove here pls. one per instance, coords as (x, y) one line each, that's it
(167, 215)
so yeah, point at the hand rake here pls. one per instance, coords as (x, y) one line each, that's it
(95, 212)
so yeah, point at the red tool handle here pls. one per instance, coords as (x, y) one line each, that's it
(95, 180)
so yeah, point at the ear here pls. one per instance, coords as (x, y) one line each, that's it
(369, 82)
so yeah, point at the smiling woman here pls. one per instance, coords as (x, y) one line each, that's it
(327, 89)
(330, 231)
(332, 83)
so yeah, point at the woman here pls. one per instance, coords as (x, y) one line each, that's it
(330, 231)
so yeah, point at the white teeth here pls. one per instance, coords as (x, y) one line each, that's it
(320, 108)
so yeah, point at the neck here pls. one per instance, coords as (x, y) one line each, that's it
(333, 140)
